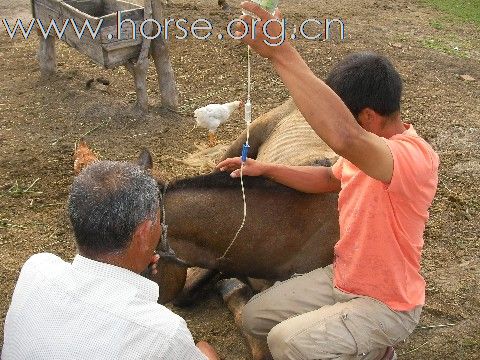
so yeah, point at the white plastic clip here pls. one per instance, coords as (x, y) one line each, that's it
(248, 112)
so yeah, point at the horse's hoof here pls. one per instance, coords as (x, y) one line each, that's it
(228, 287)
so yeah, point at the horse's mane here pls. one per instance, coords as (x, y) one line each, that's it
(222, 180)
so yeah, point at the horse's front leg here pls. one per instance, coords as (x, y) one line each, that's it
(236, 294)
(197, 279)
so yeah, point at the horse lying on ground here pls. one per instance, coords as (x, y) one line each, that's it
(286, 231)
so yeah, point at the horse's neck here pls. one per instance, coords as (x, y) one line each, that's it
(194, 223)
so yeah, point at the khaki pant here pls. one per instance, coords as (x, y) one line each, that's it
(305, 317)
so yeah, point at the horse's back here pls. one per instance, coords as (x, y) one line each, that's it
(294, 142)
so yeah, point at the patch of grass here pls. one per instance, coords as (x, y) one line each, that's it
(443, 46)
(456, 13)
(437, 25)
(17, 190)
(468, 10)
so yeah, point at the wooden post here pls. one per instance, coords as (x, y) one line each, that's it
(160, 53)
(139, 69)
(46, 56)
(140, 78)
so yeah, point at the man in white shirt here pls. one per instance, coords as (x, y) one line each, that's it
(99, 307)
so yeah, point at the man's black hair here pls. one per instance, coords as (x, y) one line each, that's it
(367, 80)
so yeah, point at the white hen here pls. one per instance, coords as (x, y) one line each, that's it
(213, 115)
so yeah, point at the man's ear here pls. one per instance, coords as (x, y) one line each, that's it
(140, 235)
(369, 119)
(363, 117)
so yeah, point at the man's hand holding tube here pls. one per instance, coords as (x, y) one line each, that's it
(251, 167)
(258, 40)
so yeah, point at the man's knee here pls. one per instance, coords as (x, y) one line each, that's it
(251, 322)
(279, 343)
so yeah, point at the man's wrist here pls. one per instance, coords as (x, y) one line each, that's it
(268, 170)
(284, 55)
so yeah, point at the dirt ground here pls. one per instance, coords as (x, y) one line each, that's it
(40, 122)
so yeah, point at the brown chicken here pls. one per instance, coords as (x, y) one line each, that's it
(83, 156)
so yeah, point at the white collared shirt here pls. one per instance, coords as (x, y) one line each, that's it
(90, 310)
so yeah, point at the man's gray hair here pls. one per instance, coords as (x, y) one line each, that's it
(107, 202)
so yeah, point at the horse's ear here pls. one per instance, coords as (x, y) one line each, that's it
(145, 160)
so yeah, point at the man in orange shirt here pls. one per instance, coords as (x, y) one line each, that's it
(372, 296)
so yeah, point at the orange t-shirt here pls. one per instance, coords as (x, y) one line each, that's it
(381, 225)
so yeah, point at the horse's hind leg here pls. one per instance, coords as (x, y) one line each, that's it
(236, 294)
(197, 279)
(259, 285)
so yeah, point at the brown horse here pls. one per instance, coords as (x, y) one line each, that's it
(286, 231)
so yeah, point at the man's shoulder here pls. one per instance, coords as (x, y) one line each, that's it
(413, 148)
(44, 258)
(35, 278)
(101, 294)
(43, 263)
(415, 168)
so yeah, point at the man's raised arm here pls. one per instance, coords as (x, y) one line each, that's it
(321, 106)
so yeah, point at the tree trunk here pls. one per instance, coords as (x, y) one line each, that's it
(160, 53)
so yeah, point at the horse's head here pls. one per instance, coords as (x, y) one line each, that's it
(170, 276)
